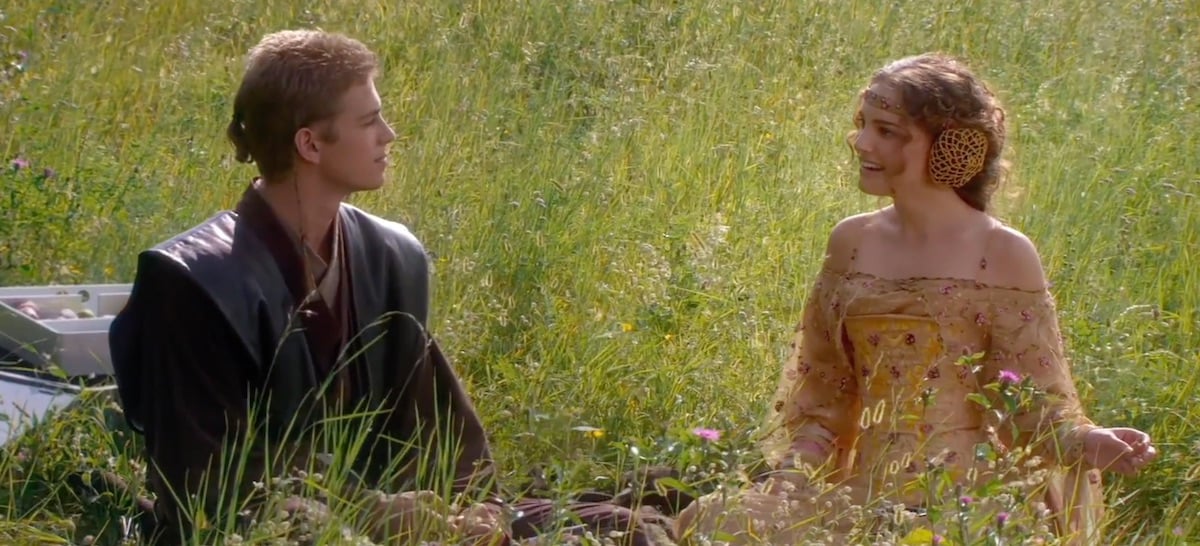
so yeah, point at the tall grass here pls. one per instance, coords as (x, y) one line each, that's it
(626, 201)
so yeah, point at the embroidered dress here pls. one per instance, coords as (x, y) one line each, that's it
(884, 377)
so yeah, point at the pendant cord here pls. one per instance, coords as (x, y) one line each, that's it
(304, 249)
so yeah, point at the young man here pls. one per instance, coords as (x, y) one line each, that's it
(245, 333)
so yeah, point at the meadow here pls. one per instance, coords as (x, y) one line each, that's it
(626, 203)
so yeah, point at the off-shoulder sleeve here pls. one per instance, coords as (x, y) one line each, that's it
(1026, 343)
(812, 410)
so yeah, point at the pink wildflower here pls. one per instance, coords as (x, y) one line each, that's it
(708, 434)
(1010, 377)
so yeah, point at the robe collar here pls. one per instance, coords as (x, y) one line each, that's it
(284, 245)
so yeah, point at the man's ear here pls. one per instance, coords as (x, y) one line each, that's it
(308, 145)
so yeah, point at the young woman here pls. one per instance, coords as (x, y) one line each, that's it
(917, 308)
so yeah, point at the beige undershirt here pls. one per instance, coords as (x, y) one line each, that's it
(327, 276)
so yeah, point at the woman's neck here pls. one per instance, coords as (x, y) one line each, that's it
(932, 214)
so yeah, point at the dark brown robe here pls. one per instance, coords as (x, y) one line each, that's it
(218, 317)
(214, 326)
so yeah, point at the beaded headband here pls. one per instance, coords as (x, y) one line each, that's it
(957, 154)
(880, 101)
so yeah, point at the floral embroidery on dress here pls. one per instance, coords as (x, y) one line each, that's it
(913, 328)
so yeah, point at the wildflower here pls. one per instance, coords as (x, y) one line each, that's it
(591, 432)
(626, 327)
(20, 163)
(707, 434)
(1001, 519)
(1009, 377)
(937, 540)
(965, 500)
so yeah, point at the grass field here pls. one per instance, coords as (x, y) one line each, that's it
(626, 202)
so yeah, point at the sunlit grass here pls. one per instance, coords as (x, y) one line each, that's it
(626, 202)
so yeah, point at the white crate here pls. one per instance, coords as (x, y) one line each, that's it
(27, 401)
(77, 345)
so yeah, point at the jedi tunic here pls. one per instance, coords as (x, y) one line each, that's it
(222, 320)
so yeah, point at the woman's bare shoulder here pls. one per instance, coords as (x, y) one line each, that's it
(845, 237)
(1013, 260)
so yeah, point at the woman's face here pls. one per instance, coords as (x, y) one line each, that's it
(893, 151)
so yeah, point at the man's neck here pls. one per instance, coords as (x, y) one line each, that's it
(307, 209)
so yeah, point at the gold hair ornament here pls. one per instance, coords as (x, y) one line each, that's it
(957, 156)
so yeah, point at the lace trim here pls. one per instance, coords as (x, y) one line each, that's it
(845, 275)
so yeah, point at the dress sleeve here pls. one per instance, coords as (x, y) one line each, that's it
(812, 412)
(1026, 343)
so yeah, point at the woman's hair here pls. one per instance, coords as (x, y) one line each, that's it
(293, 79)
(938, 93)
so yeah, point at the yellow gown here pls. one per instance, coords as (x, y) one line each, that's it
(877, 387)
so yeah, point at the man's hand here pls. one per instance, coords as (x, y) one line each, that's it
(1122, 450)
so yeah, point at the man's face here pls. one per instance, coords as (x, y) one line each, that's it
(356, 159)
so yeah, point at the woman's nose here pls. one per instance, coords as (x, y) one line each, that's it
(862, 142)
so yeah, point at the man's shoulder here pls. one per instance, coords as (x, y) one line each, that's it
(210, 259)
(209, 241)
(390, 233)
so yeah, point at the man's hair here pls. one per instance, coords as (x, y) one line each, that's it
(293, 79)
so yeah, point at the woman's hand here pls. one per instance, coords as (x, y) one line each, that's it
(409, 515)
(482, 524)
(1122, 450)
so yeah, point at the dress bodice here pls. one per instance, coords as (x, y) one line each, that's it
(890, 374)
(909, 345)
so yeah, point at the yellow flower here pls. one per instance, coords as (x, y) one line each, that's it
(626, 327)
(591, 432)
(922, 537)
